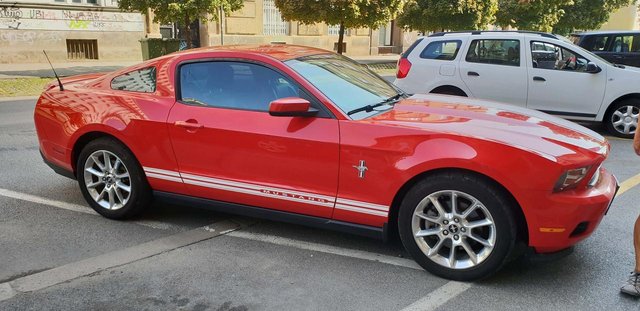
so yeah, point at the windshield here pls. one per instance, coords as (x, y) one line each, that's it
(346, 83)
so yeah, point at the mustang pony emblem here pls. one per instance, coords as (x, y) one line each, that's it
(361, 168)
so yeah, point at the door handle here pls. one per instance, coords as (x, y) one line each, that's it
(536, 78)
(189, 124)
(473, 74)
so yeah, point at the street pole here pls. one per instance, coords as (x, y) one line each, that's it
(221, 26)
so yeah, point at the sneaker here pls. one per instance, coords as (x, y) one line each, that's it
(632, 287)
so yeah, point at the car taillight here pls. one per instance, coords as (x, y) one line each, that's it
(404, 65)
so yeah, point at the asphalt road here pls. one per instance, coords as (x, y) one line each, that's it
(56, 254)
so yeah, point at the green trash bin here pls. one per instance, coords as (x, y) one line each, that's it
(152, 48)
(171, 45)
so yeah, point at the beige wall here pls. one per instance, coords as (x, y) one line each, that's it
(624, 19)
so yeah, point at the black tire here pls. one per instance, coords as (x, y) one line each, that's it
(140, 194)
(496, 202)
(610, 118)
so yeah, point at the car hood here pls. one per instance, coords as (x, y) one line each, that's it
(527, 129)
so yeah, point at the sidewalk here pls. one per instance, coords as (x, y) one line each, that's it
(43, 70)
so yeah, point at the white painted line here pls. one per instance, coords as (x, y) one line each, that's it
(438, 297)
(391, 260)
(73, 207)
(17, 98)
(113, 259)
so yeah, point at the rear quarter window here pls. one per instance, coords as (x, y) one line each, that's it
(142, 80)
(441, 50)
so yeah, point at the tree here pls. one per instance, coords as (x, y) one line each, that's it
(186, 11)
(539, 15)
(587, 14)
(439, 15)
(346, 13)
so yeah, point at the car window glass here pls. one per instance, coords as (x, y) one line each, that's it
(142, 80)
(626, 44)
(234, 85)
(494, 51)
(550, 56)
(596, 43)
(441, 50)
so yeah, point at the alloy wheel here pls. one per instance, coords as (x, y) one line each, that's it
(107, 180)
(625, 119)
(454, 229)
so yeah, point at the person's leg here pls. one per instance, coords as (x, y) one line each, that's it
(636, 243)
(632, 287)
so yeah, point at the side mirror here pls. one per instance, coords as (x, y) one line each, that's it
(291, 107)
(593, 68)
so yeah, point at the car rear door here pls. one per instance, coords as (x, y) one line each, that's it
(559, 83)
(625, 49)
(492, 68)
(230, 149)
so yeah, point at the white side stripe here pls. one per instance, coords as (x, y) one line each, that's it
(363, 204)
(253, 186)
(269, 192)
(165, 177)
(159, 171)
(361, 210)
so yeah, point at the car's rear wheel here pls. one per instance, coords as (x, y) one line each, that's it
(622, 119)
(111, 180)
(457, 226)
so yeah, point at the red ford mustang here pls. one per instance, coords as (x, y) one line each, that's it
(304, 135)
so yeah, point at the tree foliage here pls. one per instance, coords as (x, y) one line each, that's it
(183, 11)
(587, 14)
(346, 13)
(539, 15)
(437, 15)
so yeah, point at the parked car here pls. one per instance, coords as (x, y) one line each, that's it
(535, 70)
(307, 136)
(619, 47)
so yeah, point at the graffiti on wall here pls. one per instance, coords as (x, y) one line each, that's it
(30, 37)
(49, 19)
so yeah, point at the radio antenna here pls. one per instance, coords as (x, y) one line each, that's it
(54, 71)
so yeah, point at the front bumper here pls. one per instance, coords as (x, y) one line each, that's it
(557, 221)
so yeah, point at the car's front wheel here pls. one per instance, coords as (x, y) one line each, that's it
(622, 118)
(457, 225)
(111, 180)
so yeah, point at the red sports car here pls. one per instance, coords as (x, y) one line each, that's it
(303, 135)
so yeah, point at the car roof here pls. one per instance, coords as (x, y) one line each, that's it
(280, 52)
(606, 32)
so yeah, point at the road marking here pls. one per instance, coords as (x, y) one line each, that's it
(73, 207)
(439, 296)
(17, 98)
(71, 271)
(628, 184)
(335, 250)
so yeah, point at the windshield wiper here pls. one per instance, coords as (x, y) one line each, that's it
(368, 108)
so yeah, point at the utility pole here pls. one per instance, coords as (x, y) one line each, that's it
(221, 26)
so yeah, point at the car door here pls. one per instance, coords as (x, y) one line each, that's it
(492, 69)
(559, 83)
(625, 49)
(230, 149)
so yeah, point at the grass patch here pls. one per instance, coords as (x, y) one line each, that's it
(22, 86)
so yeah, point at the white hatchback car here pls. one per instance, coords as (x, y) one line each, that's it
(530, 69)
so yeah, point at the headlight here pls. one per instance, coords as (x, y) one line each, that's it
(595, 178)
(571, 178)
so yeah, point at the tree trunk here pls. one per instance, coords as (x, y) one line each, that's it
(340, 38)
(187, 29)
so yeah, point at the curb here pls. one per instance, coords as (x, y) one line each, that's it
(17, 98)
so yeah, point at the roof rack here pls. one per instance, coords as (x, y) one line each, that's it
(477, 32)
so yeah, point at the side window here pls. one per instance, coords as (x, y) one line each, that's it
(442, 50)
(626, 44)
(494, 51)
(550, 56)
(596, 43)
(142, 80)
(234, 85)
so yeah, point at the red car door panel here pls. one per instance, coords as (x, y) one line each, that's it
(250, 157)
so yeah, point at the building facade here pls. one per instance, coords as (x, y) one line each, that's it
(87, 30)
(626, 18)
